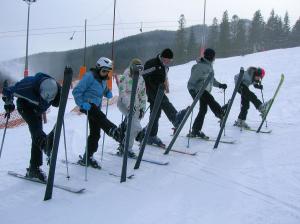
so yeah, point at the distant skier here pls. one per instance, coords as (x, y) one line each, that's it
(252, 76)
(199, 73)
(35, 94)
(88, 96)
(155, 73)
(125, 91)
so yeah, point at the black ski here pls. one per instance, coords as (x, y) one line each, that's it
(110, 173)
(272, 101)
(135, 79)
(62, 187)
(236, 88)
(175, 150)
(212, 140)
(157, 103)
(261, 131)
(144, 160)
(189, 111)
(68, 73)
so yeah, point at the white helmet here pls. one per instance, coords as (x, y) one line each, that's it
(104, 62)
(48, 89)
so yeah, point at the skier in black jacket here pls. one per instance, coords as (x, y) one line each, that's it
(155, 73)
(35, 95)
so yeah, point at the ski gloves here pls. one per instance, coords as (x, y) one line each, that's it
(8, 106)
(86, 106)
(258, 86)
(223, 86)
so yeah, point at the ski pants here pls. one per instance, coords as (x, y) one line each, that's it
(97, 121)
(205, 100)
(35, 125)
(246, 97)
(135, 125)
(168, 109)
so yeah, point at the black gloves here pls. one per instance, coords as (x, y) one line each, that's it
(258, 86)
(142, 113)
(223, 86)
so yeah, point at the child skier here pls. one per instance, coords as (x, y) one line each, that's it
(88, 96)
(35, 94)
(199, 73)
(125, 91)
(252, 76)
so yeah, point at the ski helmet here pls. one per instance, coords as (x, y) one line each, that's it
(104, 62)
(48, 89)
(136, 64)
(260, 72)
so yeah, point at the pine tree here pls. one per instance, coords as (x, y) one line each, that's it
(256, 33)
(241, 39)
(273, 32)
(286, 30)
(296, 34)
(180, 48)
(224, 39)
(213, 35)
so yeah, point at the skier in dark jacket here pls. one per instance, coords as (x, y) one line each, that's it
(88, 96)
(35, 94)
(155, 73)
(199, 73)
(252, 76)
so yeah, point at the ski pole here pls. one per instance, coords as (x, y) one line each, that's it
(262, 96)
(4, 133)
(104, 132)
(224, 99)
(86, 146)
(188, 145)
(66, 154)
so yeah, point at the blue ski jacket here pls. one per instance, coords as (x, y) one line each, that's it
(90, 90)
(27, 91)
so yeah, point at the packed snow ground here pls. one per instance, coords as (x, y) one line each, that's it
(256, 180)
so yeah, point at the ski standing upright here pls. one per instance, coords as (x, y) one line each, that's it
(68, 74)
(223, 121)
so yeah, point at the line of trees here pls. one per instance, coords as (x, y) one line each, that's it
(237, 36)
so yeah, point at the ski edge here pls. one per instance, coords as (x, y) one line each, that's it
(59, 186)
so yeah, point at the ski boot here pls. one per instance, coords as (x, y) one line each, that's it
(179, 116)
(116, 133)
(140, 136)
(197, 134)
(36, 173)
(242, 124)
(90, 162)
(154, 140)
(263, 108)
(130, 153)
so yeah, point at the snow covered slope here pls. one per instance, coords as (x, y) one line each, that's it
(256, 180)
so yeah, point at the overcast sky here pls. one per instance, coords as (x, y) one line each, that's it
(53, 22)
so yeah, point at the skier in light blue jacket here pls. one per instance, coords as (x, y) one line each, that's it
(88, 96)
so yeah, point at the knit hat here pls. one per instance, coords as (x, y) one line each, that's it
(136, 64)
(209, 54)
(135, 61)
(167, 53)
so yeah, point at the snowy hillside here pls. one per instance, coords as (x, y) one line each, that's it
(256, 180)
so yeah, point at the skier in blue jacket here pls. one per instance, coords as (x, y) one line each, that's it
(88, 96)
(35, 94)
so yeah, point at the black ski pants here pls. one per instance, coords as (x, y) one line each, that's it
(205, 100)
(168, 109)
(35, 125)
(97, 121)
(246, 97)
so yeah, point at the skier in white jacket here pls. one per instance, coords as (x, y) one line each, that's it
(125, 91)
